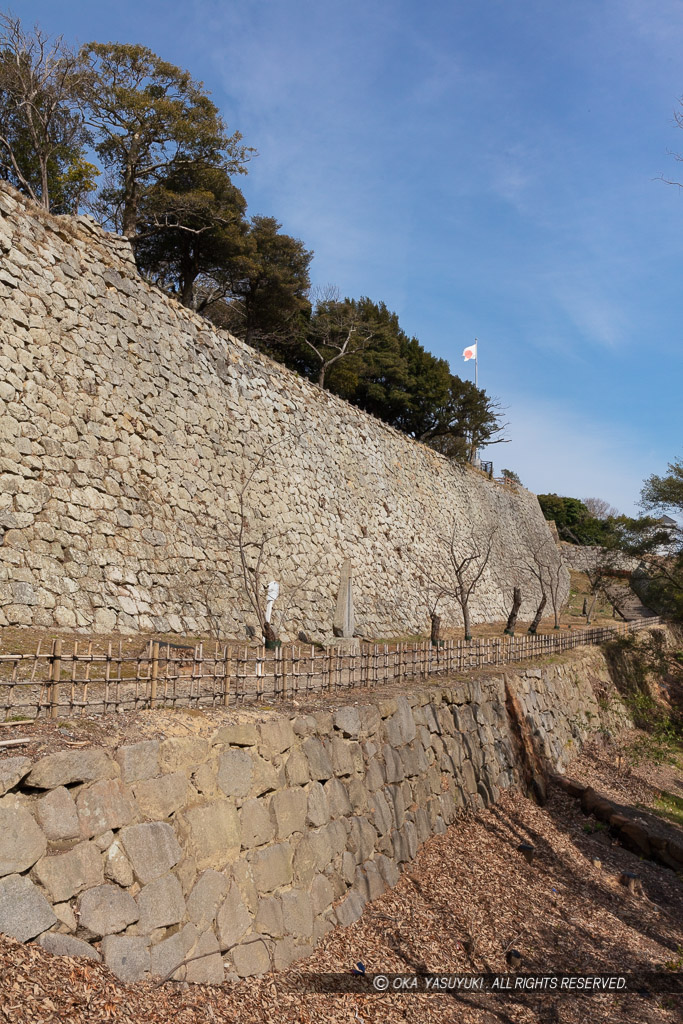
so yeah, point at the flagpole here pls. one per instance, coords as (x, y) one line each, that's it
(476, 364)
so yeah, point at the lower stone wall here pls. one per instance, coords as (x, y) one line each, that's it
(201, 856)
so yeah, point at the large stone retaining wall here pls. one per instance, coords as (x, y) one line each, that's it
(237, 850)
(128, 425)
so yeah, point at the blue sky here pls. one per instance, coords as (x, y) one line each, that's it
(487, 168)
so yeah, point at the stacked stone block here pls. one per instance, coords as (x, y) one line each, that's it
(127, 427)
(192, 857)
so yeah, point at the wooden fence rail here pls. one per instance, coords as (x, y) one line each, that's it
(57, 683)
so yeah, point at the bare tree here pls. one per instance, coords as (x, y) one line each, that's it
(544, 565)
(257, 553)
(337, 330)
(601, 567)
(41, 114)
(599, 508)
(463, 566)
(514, 612)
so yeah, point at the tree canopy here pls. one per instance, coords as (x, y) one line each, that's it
(149, 115)
(43, 135)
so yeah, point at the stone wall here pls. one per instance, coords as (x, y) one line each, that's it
(128, 425)
(585, 558)
(249, 843)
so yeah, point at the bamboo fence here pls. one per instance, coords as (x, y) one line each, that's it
(57, 683)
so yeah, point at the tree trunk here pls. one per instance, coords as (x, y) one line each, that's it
(537, 617)
(436, 629)
(130, 197)
(466, 620)
(44, 186)
(590, 610)
(516, 605)
(321, 376)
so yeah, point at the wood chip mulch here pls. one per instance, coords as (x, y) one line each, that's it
(466, 899)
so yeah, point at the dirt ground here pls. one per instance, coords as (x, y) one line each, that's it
(467, 899)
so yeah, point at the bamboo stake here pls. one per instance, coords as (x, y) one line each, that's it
(154, 675)
(54, 677)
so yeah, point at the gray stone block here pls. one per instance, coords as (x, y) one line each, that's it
(12, 771)
(117, 866)
(296, 768)
(337, 798)
(138, 760)
(255, 823)
(272, 867)
(57, 815)
(161, 903)
(357, 795)
(24, 911)
(162, 797)
(242, 873)
(210, 833)
(350, 909)
(238, 734)
(69, 766)
(327, 843)
(65, 916)
(252, 958)
(206, 897)
(375, 775)
(21, 841)
(297, 913)
(233, 919)
(322, 894)
(179, 753)
(346, 756)
(152, 849)
(167, 957)
(266, 778)
(288, 808)
(388, 870)
(235, 772)
(205, 966)
(269, 918)
(67, 945)
(347, 720)
(318, 811)
(126, 956)
(104, 805)
(362, 838)
(64, 875)
(106, 910)
(381, 814)
(319, 764)
(277, 735)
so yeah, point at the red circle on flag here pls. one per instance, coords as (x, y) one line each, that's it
(468, 353)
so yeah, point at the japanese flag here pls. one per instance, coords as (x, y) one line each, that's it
(470, 352)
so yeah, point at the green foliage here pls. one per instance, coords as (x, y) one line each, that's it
(574, 522)
(594, 826)
(192, 233)
(149, 116)
(42, 130)
(632, 659)
(665, 583)
(267, 297)
(664, 493)
(509, 474)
